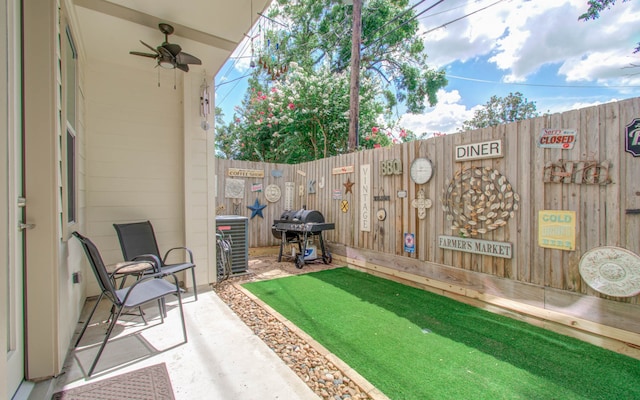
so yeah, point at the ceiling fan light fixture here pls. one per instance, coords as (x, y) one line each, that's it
(166, 64)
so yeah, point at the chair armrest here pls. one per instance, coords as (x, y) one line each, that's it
(166, 255)
(150, 258)
(119, 267)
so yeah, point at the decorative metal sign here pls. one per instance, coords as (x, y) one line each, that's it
(344, 206)
(476, 151)
(246, 173)
(337, 194)
(409, 242)
(580, 172)
(476, 246)
(391, 167)
(234, 188)
(402, 194)
(381, 214)
(557, 229)
(381, 198)
(365, 198)
(311, 186)
(613, 271)
(421, 170)
(557, 138)
(256, 187)
(289, 188)
(348, 185)
(272, 193)
(342, 170)
(276, 173)
(479, 200)
(421, 204)
(632, 138)
(301, 173)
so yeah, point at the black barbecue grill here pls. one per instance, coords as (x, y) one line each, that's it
(299, 226)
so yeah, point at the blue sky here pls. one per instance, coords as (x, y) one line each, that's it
(536, 47)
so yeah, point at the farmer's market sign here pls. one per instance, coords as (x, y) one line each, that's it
(476, 246)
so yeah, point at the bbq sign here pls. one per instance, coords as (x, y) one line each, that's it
(557, 138)
(632, 138)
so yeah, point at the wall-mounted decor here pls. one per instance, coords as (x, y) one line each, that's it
(220, 209)
(478, 200)
(321, 183)
(365, 198)
(342, 170)
(289, 188)
(272, 193)
(337, 194)
(234, 188)
(476, 246)
(580, 172)
(613, 271)
(344, 206)
(276, 173)
(301, 173)
(477, 151)
(421, 204)
(236, 206)
(256, 187)
(557, 229)
(245, 173)
(391, 167)
(256, 209)
(409, 242)
(381, 214)
(632, 138)
(557, 138)
(348, 185)
(311, 186)
(421, 170)
(301, 190)
(402, 194)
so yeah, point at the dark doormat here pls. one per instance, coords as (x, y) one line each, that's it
(150, 383)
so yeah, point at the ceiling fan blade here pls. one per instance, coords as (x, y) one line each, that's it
(151, 48)
(186, 58)
(137, 53)
(183, 67)
(173, 48)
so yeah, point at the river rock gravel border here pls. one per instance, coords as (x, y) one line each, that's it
(327, 375)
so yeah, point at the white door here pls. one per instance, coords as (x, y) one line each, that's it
(15, 231)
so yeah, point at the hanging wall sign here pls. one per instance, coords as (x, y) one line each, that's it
(276, 173)
(580, 172)
(344, 206)
(557, 229)
(632, 138)
(391, 167)
(476, 246)
(245, 173)
(301, 173)
(337, 194)
(342, 170)
(421, 170)
(256, 187)
(477, 151)
(409, 242)
(365, 198)
(557, 138)
(402, 194)
(289, 188)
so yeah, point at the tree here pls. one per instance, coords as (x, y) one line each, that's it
(500, 110)
(297, 106)
(593, 12)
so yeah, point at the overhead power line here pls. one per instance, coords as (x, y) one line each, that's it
(542, 84)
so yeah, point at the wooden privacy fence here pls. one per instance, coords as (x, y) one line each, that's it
(491, 193)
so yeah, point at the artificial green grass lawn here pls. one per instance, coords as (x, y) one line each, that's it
(413, 344)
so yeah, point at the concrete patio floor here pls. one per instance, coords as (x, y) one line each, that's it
(223, 358)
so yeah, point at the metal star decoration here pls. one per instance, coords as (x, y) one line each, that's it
(348, 185)
(256, 209)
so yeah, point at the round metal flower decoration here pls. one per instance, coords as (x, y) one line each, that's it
(478, 200)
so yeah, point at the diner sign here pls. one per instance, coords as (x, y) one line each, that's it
(476, 246)
(557, 138)
(246, 173)
(476, 151)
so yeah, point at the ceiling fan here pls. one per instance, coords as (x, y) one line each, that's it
(169, 55)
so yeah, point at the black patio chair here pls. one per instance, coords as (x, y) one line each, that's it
(137, 240)
(149, 288)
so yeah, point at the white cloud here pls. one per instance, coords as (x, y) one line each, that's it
(446, 117)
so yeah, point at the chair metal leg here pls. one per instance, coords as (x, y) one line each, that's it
(184, 327)
(193, 277)
(106, 339)
(86, 324)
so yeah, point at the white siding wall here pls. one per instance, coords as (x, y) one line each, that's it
(134, 156)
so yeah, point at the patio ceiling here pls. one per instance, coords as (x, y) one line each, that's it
(207, 29)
